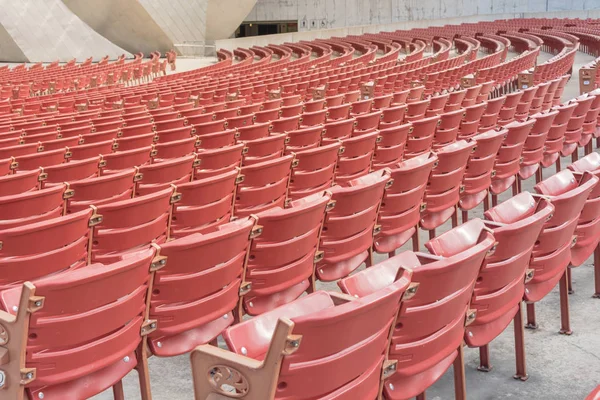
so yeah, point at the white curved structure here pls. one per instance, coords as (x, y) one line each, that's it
(47, 30)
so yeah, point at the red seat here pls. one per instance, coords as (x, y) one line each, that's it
(21, 182)
(445, 185)
(196, 294)
(213, 162)
(366, 123)
(588, 226)
(44, 248)
(256, 131)
(175, 149)
(509, 157)
(303, 139)
(556, 135)
(389, 149)
(159, 176)
(447, 130)
(392, 116)
(263, 186)
(40, 160)
(134, 142)
(263, 149)
(469, 125)
(338, 334)
(170, 135)
(339, 129)
(552, 252)
(420, 140)
(355, 160)
(489, 119)
(110, 314)
(217, 139)
(480, 169)
(240, 121)
(284, 125)
(101, 190)
(340, 112)
(71, 171)
(33, 206)
(313, 118)
(416, 110)
(507, 112)
(314, 170)
(121, 160)
(281, 260)
(133, 224)
(533, 149)
(445, 285)
(516, 225)
(349, 227)
(402, 204)
(575, 125)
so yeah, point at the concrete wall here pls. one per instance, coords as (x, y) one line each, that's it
(46, 30)
(246, 42)
(126, 23)
(327, 14)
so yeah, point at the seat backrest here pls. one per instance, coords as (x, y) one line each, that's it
(199, 287)
(282, 258)
(33, 206)
(132, 223)
(403, 202)
(44, 248)
(350, 225)
(314, 170)
(204, 205)
(158, 176)
(106, 304)
(568, 195)
(264, 185)
(328, 330)
(442, 299)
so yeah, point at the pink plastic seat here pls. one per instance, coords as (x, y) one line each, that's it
(445, 185)
(552, 252)
(390, 145)
(445, 285)
(44, 248)
(196, 294)
(402, 204)
(314, 171)
(282, 259)
(516, 225)
(349, 227)
(533, 149)
(349, 336)
(262, 186)
(132, 224)
(110, 315)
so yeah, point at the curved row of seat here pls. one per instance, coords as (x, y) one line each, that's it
(169, 220)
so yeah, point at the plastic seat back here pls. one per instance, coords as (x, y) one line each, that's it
(350, 225)
(516, 225)
(213, 162)
(402, 203)
(159, 176)
(281, 261)
(197, 292)
(32, 251)
(263, 186)
(314, 171)
(445, 184)
(205, 204)
(33, 206)
(589, 220)
(552, 252)
(445, 287)
(107, 303)
(132, 224)
(391, 142)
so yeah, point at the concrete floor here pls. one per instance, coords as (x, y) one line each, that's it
(559, 367)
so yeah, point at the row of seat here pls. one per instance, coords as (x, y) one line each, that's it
(161, 309)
